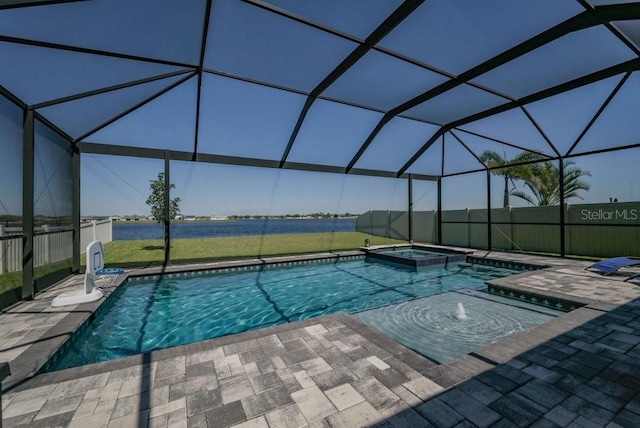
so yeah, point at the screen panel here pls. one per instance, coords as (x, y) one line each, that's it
(395, 144)
(430, 162)
(606, 222)
(113, 193)
(11, 128)
(332, 133)
(62, 73)
(456, 36)
(618, 124)
(525, 208)
(167, 122)
(393, 82)
(358, 18)
(564, 116)
(482, 146)
(425, 209)
(457, 103)
(52, 206)
(514, 127)
(52, 178)
(81, 116)
(161, 29)
(11, 191)
(457, 158)
(247, 41)
(244, 119)
(572, 56)
(233, 212)
(464, 210)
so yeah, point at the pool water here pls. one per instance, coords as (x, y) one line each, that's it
(411, 253)
(437, 328)
(414, 258)
(156, 314)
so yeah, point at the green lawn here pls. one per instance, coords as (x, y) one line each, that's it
(10, 283)
(150, 252)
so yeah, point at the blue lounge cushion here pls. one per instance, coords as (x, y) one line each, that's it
(608, 266)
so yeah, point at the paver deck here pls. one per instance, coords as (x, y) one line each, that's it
(580, 369)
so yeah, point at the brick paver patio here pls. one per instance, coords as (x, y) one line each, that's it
(580, 369)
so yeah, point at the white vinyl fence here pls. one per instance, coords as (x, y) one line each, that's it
(49, 245)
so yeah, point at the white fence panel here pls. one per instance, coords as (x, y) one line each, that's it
(95, 231)
(50, 246)
(10, 253)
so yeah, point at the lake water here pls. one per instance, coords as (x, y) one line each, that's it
(127, 231)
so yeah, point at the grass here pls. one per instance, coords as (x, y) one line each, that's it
(11, 283)
(150, 252)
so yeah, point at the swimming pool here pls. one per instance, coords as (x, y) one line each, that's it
(163, 312)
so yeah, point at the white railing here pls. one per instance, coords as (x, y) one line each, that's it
(49, 245)
(10, 251)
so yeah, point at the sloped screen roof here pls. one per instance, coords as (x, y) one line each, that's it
(351, 86)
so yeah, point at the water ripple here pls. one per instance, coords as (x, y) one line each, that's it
(432, 327)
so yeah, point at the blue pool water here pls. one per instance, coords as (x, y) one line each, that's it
(435, 327)
(411, 253)
(155, 314)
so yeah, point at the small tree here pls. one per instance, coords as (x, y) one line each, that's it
(156, 200)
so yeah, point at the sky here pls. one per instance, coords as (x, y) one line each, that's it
(119, 186)
(239, 118)
(210, 189)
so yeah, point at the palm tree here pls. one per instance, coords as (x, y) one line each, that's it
(544, 183)
(509, 168)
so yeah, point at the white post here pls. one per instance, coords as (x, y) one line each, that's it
(3, 251)
(110, 229)
(93, 229)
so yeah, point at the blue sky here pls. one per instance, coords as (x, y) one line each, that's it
(238, 118)
(207, 189)
(115, 185)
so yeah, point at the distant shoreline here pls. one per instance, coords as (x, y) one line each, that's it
(134, 230)
(134, 218)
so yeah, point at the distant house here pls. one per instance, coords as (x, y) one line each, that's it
(179, 217)
(218, 217)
